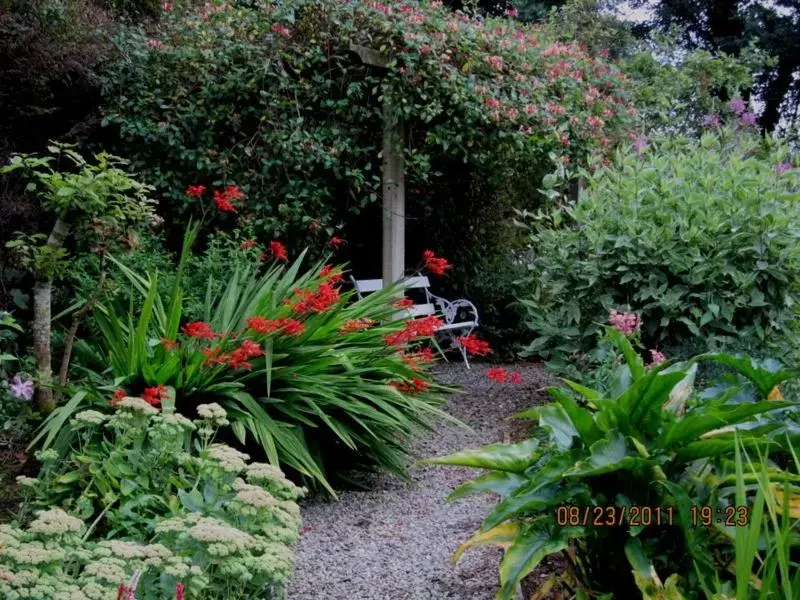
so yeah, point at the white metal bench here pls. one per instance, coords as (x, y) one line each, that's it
(460, 316)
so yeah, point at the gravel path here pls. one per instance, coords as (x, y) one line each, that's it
(395, 541)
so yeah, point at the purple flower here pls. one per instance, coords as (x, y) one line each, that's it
(782, 167)
(748, 118)
(639, 145)
(711, 120)
(738, 106)
(22, 389)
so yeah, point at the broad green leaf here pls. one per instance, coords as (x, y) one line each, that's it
(514, 458)
(502, 536)
(496, 482)
(608, 455)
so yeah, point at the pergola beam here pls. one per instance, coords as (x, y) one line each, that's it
(393, 179)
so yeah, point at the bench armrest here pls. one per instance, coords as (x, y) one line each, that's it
(450, 308)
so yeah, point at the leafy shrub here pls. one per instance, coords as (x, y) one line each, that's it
(284, 109)
(211, 522)
(306, 374)
(701, 240)
(649, 443)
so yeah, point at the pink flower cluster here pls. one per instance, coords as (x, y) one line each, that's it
(625, 323)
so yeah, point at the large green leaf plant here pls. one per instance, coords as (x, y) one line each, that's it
(649, 440)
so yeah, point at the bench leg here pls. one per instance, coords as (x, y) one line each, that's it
(464, 354)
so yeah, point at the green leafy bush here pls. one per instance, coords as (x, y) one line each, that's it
(314, 379)
(284, 108)
(172, 503)
(700, 239)
(609, 455)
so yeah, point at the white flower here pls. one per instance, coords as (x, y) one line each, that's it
(109, 570)
(136, 404)
(27, 481)
(229, 460)
(211, 411)
(55, 521)
(90, 417)
(179, 420)
(256, 497)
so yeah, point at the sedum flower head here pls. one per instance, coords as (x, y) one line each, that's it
(54, 522)
(109, 570)
(136, 405)
(27, 481)
(214, 413)
(178, 420)
(229, 459)
(89, 417)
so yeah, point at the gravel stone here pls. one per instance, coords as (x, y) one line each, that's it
(395, 541)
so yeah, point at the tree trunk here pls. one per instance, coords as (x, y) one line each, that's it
(42, 317)
(42, 294)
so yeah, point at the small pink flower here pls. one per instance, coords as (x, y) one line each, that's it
(625, 323)
(512, 12)
(155, 44)
(656, 358)
(280, 29)
(167, 7)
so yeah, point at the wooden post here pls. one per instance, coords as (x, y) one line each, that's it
(394, 187)
(394, 200)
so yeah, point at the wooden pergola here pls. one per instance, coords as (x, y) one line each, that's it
(393, 180)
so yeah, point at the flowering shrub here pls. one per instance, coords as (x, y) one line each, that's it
(699, 239)
(298, 365)
(215, 525)
(283, 109)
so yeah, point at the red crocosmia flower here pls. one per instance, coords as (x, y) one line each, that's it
(154, 395)
(404, 303)
(278, 251)
(434, 264)
(179, 589)
(473, 345)
(425, 327)
(223, 202)
(330, 274)
(515, 378)
(195, 191)
(293, 327)
(199, 329)
(233, 192)
(247, 244)
(169, 344)
(336, 241)
(214, 357)
(416, 386)
(249, 349)
(498, 374)
(354, 325)
(319, 300)
(118, 395)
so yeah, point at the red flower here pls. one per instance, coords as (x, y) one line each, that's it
(321, 300)
(195, 191)
(266, 326)
(154, 395)
(336, 241)
(434, 264)
(223, 202)
(330, 274)
(179, 589)
(118, 395)
(354, 325)
(498, 374)
(199, 329)
(214, 356)
(169, 344)
(414, 328)
(404, 303)
(473, 345)
(416, 386)
(233, 192)
(278, 251)
(249, 349)
(247, 244)
(516, 378)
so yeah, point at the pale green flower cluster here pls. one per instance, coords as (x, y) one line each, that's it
(213, 412)
(235, 539)
(88, 418)
(229, 459)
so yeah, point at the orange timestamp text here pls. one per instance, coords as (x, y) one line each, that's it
(647, 516)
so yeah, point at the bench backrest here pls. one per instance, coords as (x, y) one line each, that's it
(366, 286)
